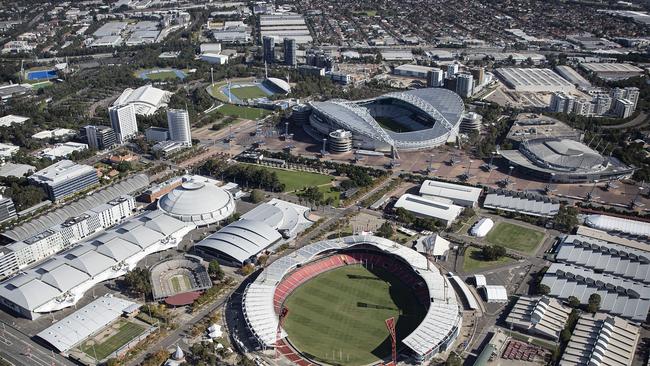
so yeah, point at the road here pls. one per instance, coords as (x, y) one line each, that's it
(638, 120)
(19, 349)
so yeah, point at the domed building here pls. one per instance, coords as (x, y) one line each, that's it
(198, 200)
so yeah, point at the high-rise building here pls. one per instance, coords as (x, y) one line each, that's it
(178, 123)
(290, 52)
(123, 122)
(632, 94)
(98, 137)
(603, 104)
(65, 178)
(7, 209)
(623, 108)
(268, 47)
(435, 78)
(583, 107)
(479, 75)
(452, 69)
(464, 85)
(561, 103)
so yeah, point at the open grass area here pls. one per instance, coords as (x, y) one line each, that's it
(473, 261)
(392, 125)
(330, 192)
(294, 180)
(338, 317)
(243, 112)
(163, 75)
(105, 347)
(370, 13)
(515, 237)
(248, 92)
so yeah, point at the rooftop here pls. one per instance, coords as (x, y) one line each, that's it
(61, 171)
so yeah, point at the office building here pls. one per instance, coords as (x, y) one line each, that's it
(465, 85)
(452, 69)
(156, 134)
(123, 122)
(435, 78)
(7, 209)
(98, 137)
(479, 76)
(603, 104)
(65, 178)
(268, 47)
(178, 123)
(290, 52)
(623, 108)
(629, 93)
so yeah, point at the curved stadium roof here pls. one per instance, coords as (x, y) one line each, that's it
(443, 106)
(199, 201)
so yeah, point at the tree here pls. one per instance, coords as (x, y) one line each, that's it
(454, 360)
(404, 216)
(138, 281)
(543, 289)
(593, 304)
(493, 252)
(567, 218)
(385, 230)
(573, 302)
(257, 196)
(215, 271)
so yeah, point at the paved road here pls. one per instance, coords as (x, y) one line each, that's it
(19, 349)
(638, 120)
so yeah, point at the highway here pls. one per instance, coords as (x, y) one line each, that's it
(19, 349)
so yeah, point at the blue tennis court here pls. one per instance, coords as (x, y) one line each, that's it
(41, 75)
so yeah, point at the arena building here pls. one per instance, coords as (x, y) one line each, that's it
(410, 120)
(564, 161)
(264, 298)
(62, 280)
(179, 281)
(198, 200)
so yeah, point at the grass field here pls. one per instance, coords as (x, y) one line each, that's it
(392, 125)
(338, 317)
(177, 285)
(243, 112)
(330, 192)
(515, 237)
(127, 332)
(472, 261)
(294, 180)
(163, 75)
(248, 92)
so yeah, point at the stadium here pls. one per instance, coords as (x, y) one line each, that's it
(410, 120)
(565, 161)
(239, 92)
(179, 281)
(328, 302)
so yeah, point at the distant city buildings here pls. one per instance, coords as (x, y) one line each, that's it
(268, 47)
(290, 57)
(620, 103)
(65, 178)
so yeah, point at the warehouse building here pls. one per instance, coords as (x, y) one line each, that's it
(600, 339)
(533, 80)
(542, 316)
(612, 71)
(447, 213)
(521, 203)
(612, 224)
(62, 281)
(65, 178)
(281, 26)
(460, 195)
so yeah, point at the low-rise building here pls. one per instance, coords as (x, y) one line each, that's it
(65, 178)
(460, 195)
(542, 316)
(447, 213)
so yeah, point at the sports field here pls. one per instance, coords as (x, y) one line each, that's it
(473, 261)
(180, 283)
(515, 237)
(338, 317)
(242, 112)
(294, 180)
(248, 92)
(162, 75)
(392, 125)
(105, 347)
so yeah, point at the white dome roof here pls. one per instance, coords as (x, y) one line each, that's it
(198, 201)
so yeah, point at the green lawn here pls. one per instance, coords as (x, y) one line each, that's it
(391, 124)
(243, 112)
(163, 75)
(338, 317)
(248, 92)
(295, 180)
(330, 192)
(515, 237)
(127, 332)
(472, 261)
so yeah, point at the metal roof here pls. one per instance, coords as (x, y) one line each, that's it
(58, 216)
(454, 192)
(428, 207)
(543, 315)
(198, 200)
(617, 224)
(76, 327)
(526, 204)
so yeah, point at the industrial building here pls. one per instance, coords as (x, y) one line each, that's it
(601, 339)
(260, 229)
(24, 253)
(618, 225)
(415, 71)
(65, 178)
(573, 77)
(533, 80)
(564, 161)
(458, 194)
(198, 200)
(447, 213)
(285, 25)
(62, 150)
(541, 316)
(429, 116)
(232, 32)
(62, 281)
(612, 71)
(521, 203)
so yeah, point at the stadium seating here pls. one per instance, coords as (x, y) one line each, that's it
(303, 274)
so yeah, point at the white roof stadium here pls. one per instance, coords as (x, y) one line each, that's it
(442, 106)
(62, 280)
(435, 333)
(198, 200)
(146, 99)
